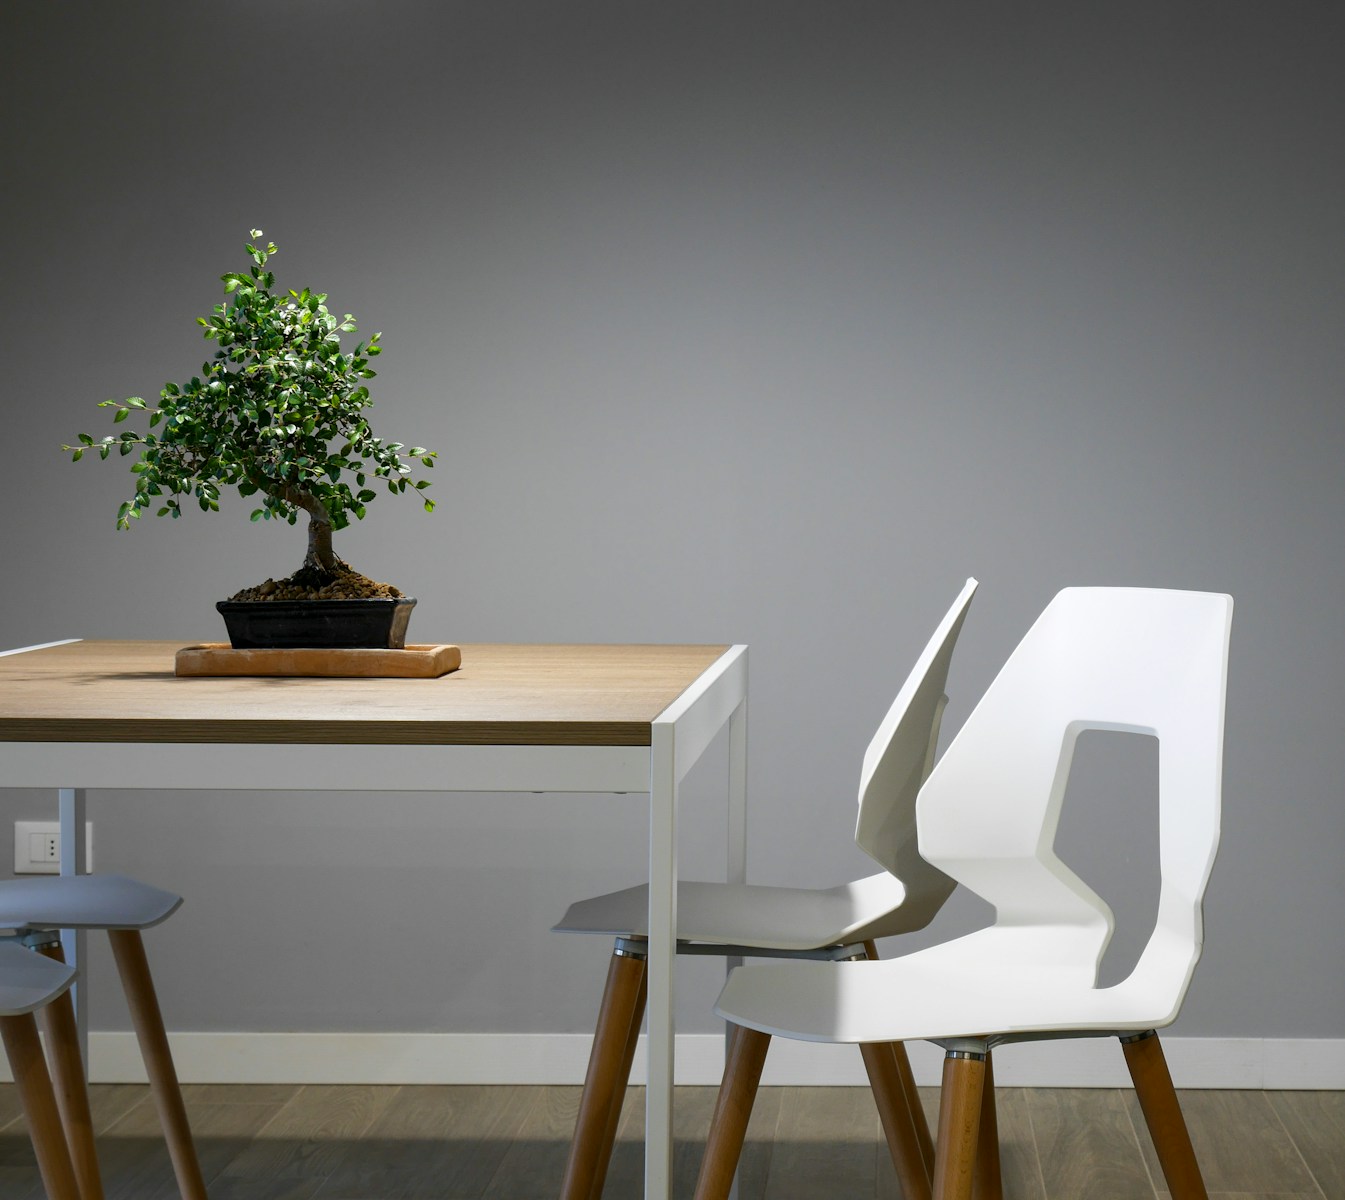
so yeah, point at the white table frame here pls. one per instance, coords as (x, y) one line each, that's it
(679, 736)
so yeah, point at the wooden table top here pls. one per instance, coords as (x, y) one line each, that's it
(555, 695)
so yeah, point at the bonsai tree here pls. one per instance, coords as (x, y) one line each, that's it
(278, 413)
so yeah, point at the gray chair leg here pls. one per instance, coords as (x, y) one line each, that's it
(128, 948)
(619, 1094)
(71, 1085)
(733, 1110)
(24, 1051)
(605, 1083)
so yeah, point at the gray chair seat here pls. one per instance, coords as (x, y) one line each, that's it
(83, 902)
(745, 914)
(28, 980)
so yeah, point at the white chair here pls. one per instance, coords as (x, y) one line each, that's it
(28, 983)
(1130, 660)
(35, 910)
(840, 922)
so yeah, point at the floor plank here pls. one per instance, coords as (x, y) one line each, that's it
(824, 1145)
(692, 1110)
(1314, 1195)
(1086, 1145)
(1240, 1144)
(510, 1143)
(1316, 1123)
(1020, 1171)
(1019, 1167)
(134, 1159)
(432, 1141)
(305, 1138)
(534, 1165)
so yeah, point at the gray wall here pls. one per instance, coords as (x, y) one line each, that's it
(732, 322)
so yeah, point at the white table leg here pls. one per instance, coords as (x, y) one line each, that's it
(74, 861)
(663, 790)
(736, 839)
(679, 735)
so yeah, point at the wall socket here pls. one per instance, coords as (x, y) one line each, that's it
(37, 847)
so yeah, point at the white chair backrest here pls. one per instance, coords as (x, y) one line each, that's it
(898, 761)
(1126, 659)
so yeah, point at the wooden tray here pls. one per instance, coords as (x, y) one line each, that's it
(413, 662)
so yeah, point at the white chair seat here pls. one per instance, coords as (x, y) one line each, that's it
(28, 980)
(740, 914)
(972, 983)
(83, 902)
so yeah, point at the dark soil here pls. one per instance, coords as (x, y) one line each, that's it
(313, 583)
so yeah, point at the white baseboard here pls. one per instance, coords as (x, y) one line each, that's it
(523, 1058)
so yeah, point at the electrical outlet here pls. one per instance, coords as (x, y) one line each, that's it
(37, 847)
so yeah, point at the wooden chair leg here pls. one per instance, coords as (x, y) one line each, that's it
(623, 1080)
(901, 1094)
(959, 1125)
(24, 1051)
(1163, 1115)
(903, 1143)
(603, 1083)
(128, 948)
(987, 1183)
(917, 1110)
(733, 1109)
(71, 1086)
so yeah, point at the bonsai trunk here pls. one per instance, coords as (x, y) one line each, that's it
(319, 556)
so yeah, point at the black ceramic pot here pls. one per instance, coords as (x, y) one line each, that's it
(329, 624)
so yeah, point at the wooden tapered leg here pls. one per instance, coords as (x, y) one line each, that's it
(604, 1084)
(894, 1089)
(71, 1085)
(128, 948)
(916, 1109)
(1163, 1115)
(613, 1051)
(959, 1125)
(623, 1079)
(733, 1109)
(24, 1051)
(987, 1183)
(903, 1143)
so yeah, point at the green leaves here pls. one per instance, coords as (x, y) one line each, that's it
(279, 412)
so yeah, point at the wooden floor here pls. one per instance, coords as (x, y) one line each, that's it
(446, 1143)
